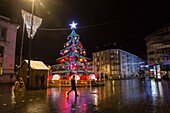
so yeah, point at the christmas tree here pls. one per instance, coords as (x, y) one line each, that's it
(73, 58)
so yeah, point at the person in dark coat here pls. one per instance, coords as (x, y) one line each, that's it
(73, 85)
(42, 78)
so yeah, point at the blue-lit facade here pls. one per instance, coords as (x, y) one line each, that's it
(116, 63)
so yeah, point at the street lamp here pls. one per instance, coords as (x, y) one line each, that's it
(32, 23)
(30, 45)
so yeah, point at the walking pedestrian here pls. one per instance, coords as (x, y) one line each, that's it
(42, 78)
(73, 85)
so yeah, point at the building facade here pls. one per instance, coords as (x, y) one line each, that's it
(158, 49)
(89, 66)
(115, 63)
(8, 32)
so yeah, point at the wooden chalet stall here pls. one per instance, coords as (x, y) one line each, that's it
(37, 68)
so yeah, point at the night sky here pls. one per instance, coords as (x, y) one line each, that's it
(101, 24)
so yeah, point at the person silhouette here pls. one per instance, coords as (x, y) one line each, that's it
(42, 78)
(73, 86)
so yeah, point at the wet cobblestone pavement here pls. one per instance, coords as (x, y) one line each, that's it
(117, 96)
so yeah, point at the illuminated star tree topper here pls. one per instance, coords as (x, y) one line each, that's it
(73, 25)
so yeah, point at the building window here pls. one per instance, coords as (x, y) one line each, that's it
(112, 68)
(3, 31)
(1, 51)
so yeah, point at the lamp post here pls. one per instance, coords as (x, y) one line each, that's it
(30, 46)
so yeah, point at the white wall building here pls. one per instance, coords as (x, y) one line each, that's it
(116, 63)
(8, 32)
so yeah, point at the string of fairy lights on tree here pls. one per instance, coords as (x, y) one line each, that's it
(73, 55)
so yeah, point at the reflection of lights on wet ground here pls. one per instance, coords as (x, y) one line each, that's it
(113, 87)
(12, 93)
(94, 94)
(156, 88)
(153, 88)
(160, 89)
(34, 107)
(95, 100)
(12, 96)
(66, 94)
(54, 92)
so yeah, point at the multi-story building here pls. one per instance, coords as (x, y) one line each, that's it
(90, 66)
(8, 33)
(116, 63)
(158, 48)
